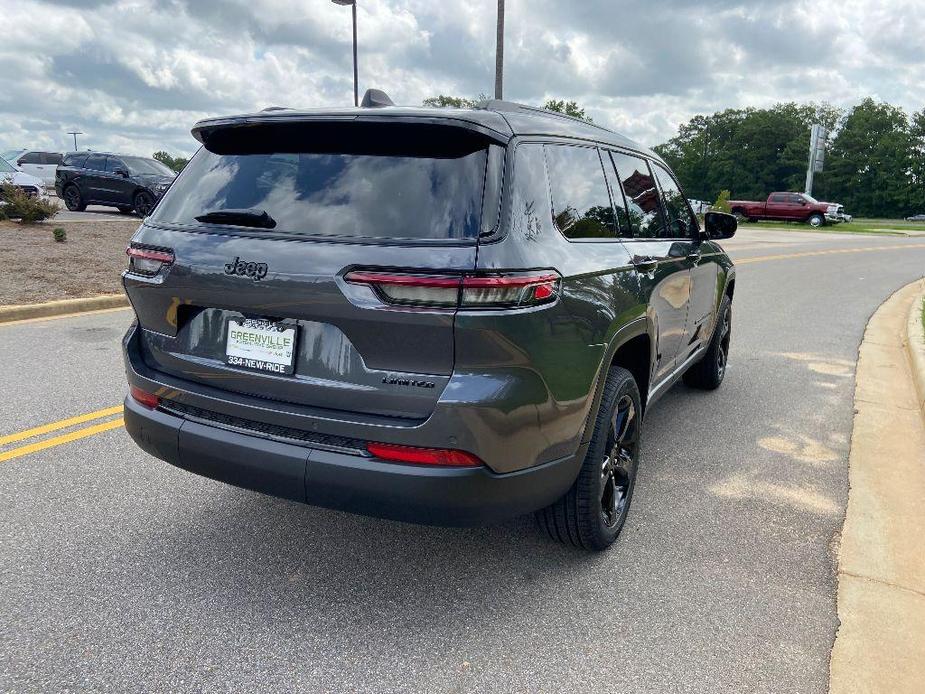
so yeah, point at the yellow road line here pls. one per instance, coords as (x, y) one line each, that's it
(58, 440)
(833, 251)
(62, 424)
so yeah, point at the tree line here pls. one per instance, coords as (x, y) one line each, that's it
(874, 164)
(175, 163)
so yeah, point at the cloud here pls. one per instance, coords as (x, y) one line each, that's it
(134, 75)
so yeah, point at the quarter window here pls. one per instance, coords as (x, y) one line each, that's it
(581, 206)
(681, 223)
(641, 195)
(530, 206)
(31, 158)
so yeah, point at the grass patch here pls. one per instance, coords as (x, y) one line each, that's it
(869, 227)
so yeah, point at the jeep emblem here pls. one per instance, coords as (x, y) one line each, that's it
(256, 271)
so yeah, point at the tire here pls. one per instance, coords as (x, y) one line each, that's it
(739, 215)
(708, 373)
(592, 513)
(73, 200)
(126, 210)
(816, 220)
(143, 204)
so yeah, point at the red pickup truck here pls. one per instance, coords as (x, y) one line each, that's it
(787, 207)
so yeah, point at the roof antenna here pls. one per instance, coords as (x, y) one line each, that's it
(376, 98)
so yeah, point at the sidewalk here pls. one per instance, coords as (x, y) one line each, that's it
(880, 645)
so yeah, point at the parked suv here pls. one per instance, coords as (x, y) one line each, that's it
(132, 184)
(440, 316)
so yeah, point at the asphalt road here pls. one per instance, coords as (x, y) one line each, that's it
(121, 573)
(93, 213)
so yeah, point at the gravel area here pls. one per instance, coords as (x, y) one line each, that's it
(36, 268)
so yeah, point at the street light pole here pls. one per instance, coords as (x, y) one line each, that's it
(356, 89)
(75, 133)
(499, 53)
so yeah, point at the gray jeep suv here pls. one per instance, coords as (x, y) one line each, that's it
(440, 316)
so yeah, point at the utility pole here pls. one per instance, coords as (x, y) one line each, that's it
(499, 53)
(817, 139)
(75, 133)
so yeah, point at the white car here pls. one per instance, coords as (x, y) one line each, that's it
(37, 163)
(9, 174)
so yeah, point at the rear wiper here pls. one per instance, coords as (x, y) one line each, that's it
(249, 217)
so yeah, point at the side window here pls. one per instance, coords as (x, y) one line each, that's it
(624, 227)
(530, 206)
(76, 160)
(797, 199)
(96, 162)
(51, 158)
(777, 197)
(641, 195)
(580, 202)
(681, 223)
(31, 158)
(113, 163)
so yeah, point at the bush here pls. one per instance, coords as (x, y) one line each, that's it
(59, 234)
(722, 202)
(24, 208)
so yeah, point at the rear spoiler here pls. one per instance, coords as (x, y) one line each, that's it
(279, 131)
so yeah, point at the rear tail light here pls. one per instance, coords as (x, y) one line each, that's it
(442, 457)
(449, 291)
(143, 397)
(148, 261)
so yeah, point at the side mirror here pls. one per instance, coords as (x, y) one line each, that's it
(719, 225)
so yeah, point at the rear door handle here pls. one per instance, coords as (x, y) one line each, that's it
(645, 265)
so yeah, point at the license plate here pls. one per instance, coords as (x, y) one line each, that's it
(261, 345)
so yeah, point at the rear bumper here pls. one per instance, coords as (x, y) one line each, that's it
(354, 483)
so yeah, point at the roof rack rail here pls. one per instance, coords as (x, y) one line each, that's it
(275, 108)
(499, 105)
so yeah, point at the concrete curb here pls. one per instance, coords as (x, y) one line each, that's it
(58, 308)
(880, 644)
(915, 346)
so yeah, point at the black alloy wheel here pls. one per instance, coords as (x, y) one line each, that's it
(144, 203)
(725, 337)
(618, 470)
(709, 371)
(73, 200)
(592, 512)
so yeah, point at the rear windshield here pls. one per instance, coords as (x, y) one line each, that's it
(420, 195)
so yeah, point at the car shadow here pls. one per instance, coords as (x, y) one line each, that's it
(239, 545)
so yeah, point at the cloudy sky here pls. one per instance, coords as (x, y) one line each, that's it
(134, 75)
